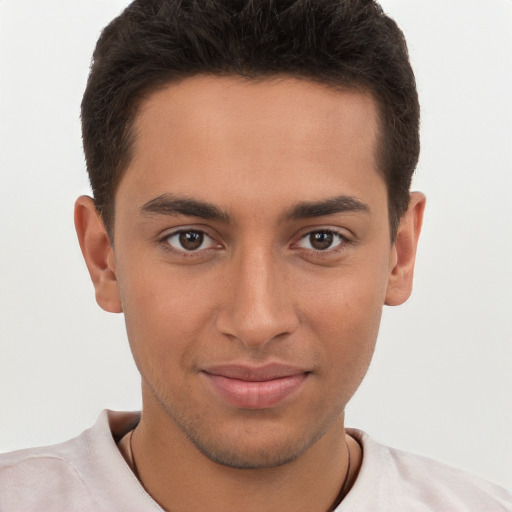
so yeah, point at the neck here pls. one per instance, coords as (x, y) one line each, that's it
(179, 477)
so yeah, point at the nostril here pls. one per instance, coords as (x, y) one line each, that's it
(256, 326)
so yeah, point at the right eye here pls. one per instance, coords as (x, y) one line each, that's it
(190, 240)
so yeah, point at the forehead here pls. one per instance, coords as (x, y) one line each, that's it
(215, 136)
(287, 109)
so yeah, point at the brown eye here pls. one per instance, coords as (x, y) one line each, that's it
(322, 240)
(191, 240)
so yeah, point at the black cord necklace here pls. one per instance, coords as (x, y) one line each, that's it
(132, 457)
(344, 486)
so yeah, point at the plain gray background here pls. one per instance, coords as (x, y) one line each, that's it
(440, 383)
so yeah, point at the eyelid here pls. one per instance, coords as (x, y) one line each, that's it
(344, 239)
(200, 228)
(163, 240)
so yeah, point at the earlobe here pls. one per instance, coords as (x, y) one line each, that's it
(98, 254)
(403, 252)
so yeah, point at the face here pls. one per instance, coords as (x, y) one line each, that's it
(252, 259)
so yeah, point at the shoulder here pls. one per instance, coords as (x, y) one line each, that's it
(82, 474)
(44, 478)
(404, 481)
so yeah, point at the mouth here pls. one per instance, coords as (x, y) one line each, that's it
(250, 387)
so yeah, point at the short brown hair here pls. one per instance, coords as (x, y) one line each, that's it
(341, 43)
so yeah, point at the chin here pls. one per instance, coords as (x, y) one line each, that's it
(252, 443)
(242, 454)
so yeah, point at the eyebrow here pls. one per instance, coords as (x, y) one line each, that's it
(168, 204)
(330, 206)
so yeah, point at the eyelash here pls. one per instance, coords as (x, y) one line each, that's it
(164, 242)
(342, 245)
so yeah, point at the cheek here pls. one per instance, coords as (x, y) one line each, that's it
(349, 326)
(347, 298)
(345, 316)
(165, 315)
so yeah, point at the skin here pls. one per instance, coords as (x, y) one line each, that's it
(271, 282)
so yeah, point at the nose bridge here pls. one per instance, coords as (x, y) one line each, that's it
(259, 305)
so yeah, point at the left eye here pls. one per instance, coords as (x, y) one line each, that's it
(321, 240)
(190, 240)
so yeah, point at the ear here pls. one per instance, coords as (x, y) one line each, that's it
(403, 252)
(98, 254)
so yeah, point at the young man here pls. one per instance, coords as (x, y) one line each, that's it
(251, 164)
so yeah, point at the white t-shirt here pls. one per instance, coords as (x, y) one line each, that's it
(89, 474)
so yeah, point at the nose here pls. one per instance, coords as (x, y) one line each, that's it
(258, 306)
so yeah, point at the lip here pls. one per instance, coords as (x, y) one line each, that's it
(251, 387)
